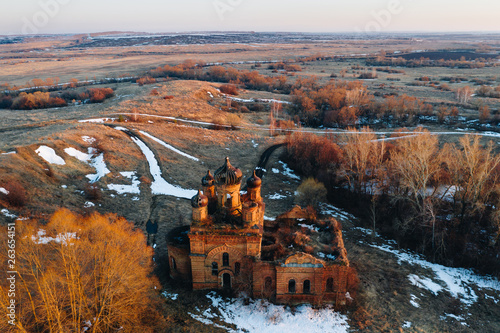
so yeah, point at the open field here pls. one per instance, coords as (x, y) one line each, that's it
(189, 128)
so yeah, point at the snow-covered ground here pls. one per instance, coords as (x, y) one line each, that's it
(49, 155)
(96, 162)
(4, 191)
(159, 184)
(461, 283)
(123, 189)
(260, 316)
(166, 145)
(99, 165)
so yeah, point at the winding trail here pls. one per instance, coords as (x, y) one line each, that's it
(204, 124)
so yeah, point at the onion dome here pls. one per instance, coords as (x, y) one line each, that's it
(208, 180)
(228, 174)
(254, 181)
(199, 200)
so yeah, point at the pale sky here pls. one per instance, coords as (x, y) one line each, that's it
(78, 16)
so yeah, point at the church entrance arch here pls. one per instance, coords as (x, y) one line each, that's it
(226, 281)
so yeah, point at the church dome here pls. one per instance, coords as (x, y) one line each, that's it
(254, 181)
(199, 200)
(208, 180)
(227, 174)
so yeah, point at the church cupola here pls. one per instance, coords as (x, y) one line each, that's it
(227, 186)
(228, 174)
(253, 187)
(200, 207)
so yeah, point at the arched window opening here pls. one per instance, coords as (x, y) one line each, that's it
(225, 259)
(306, 287)
(174, 265)
(329, 285)
(237, 268)
(215, 268)
(291, 286)
(268, 283)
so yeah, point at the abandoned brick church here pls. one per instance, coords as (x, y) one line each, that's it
(229, 245)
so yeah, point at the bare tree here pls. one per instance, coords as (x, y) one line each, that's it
(82, 274)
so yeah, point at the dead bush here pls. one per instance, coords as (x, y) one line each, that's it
(311, 193)
(229, 89)
(145, 80)
(17, 194)
(92, 192)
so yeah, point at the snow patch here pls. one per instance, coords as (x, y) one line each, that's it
(262, 316)
(6, 213)
(327, 209)
(89, 204)
(97, 120)
(83, 157)
(166, 145)
(425, 283)
(131, 189)
(160, 185)
(171, 296)
(456, 281)
(288, 172)
(276, 196)
(88, 139)
(64, 239)
(99, 165)
(4, 191)
(413, 301)
(49, 155)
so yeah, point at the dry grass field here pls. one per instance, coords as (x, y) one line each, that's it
(242, 136)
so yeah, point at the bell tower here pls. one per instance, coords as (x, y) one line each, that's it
(227, 187)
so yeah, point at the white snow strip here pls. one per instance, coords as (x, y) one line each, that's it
(413, 301)
(122, 189)
(4, 191)
(425, 283)
(287, 171)
(327, 209)
(9, 153)
(50, 155)
(276, 196)
(166, 145)
(99, 165)
(88, 139)
(6, 213)
(97, 120)
(83, 157)
(260, 316)
(450, 315)
(160, 185)
(171, 296)
(89, 204)
(406, 324)
(310, 227)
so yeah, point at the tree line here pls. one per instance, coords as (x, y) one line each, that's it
(43, 99)
(442, 200)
